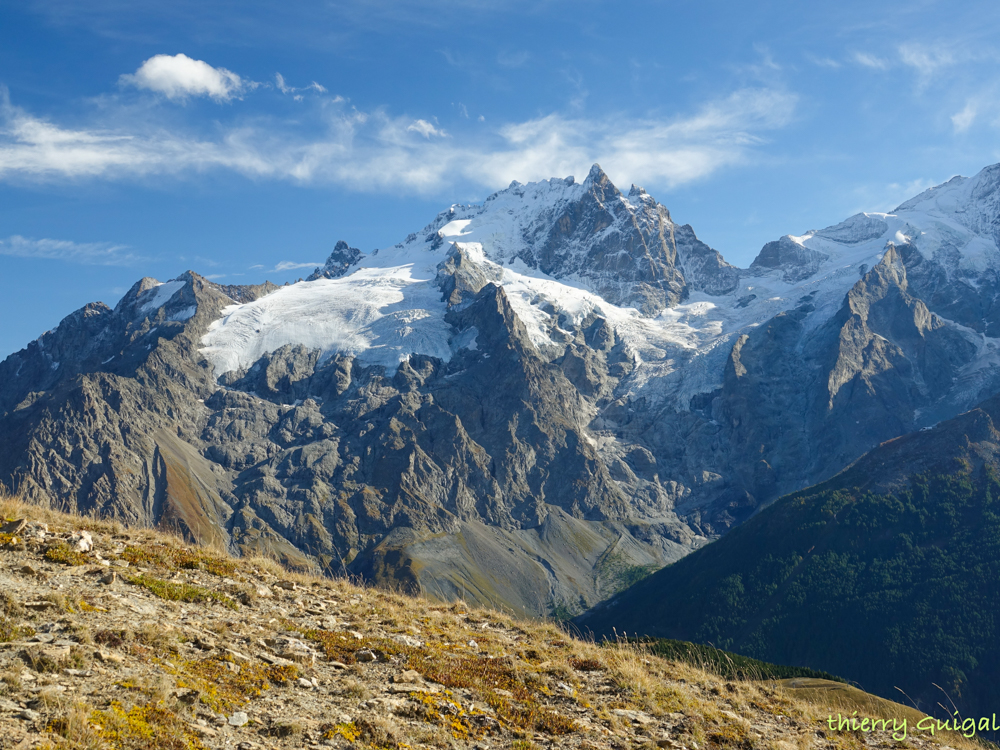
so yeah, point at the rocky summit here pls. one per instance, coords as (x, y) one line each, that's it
(530, 403)
(132, 640)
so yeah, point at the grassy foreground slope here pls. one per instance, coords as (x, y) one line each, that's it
(888, 574)
(145, 643)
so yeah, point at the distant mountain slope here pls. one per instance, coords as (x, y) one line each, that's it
(529, 402)
(888, 574)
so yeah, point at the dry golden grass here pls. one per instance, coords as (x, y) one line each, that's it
(845, 699)
(12, 506)
(75, 730)
(539, 655)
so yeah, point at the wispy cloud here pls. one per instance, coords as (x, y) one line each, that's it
(961, 121)
(824, 62)
(581, 93)
(453, 58)
(764, 67)
(723, 133)
(180, 76)
(926, 60)
(374, 151)
(284, 88)
(424, 128)
(869, 60)
(290, 265)
(88, 253)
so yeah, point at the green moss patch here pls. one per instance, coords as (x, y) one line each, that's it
(456, 670)
(149, 727)
(64, 554)
(223, 684)
(181, 592)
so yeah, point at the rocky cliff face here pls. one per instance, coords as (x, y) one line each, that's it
(860, 378)
(624, 248)
(341, 259)
(531, 402)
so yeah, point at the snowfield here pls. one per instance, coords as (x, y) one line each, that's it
(378, 315)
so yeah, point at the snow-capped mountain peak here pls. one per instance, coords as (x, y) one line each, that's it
(565, 251)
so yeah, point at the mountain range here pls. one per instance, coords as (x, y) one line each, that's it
(532, 402)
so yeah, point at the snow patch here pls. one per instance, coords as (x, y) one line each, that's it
(186, 314)
(466, 339)
(454, 228)
(159, 295)
(858, 228)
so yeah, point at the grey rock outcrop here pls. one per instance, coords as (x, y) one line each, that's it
(627, 253)
(787, 257)
(341, 259)
(704, 268)
(858, 380)
(461, 278)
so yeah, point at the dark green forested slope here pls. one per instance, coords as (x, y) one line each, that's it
(888, 575)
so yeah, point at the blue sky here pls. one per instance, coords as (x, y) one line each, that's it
(243, 139)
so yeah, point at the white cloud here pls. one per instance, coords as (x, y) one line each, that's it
(289, 265)
(30, 146)
(425, 129)
(88, 253)
(962, 120)
(373, 151)
(870, 61)
(925, 60)
(824, 62)
(180, 76)
(669, 152)
(284, 88)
